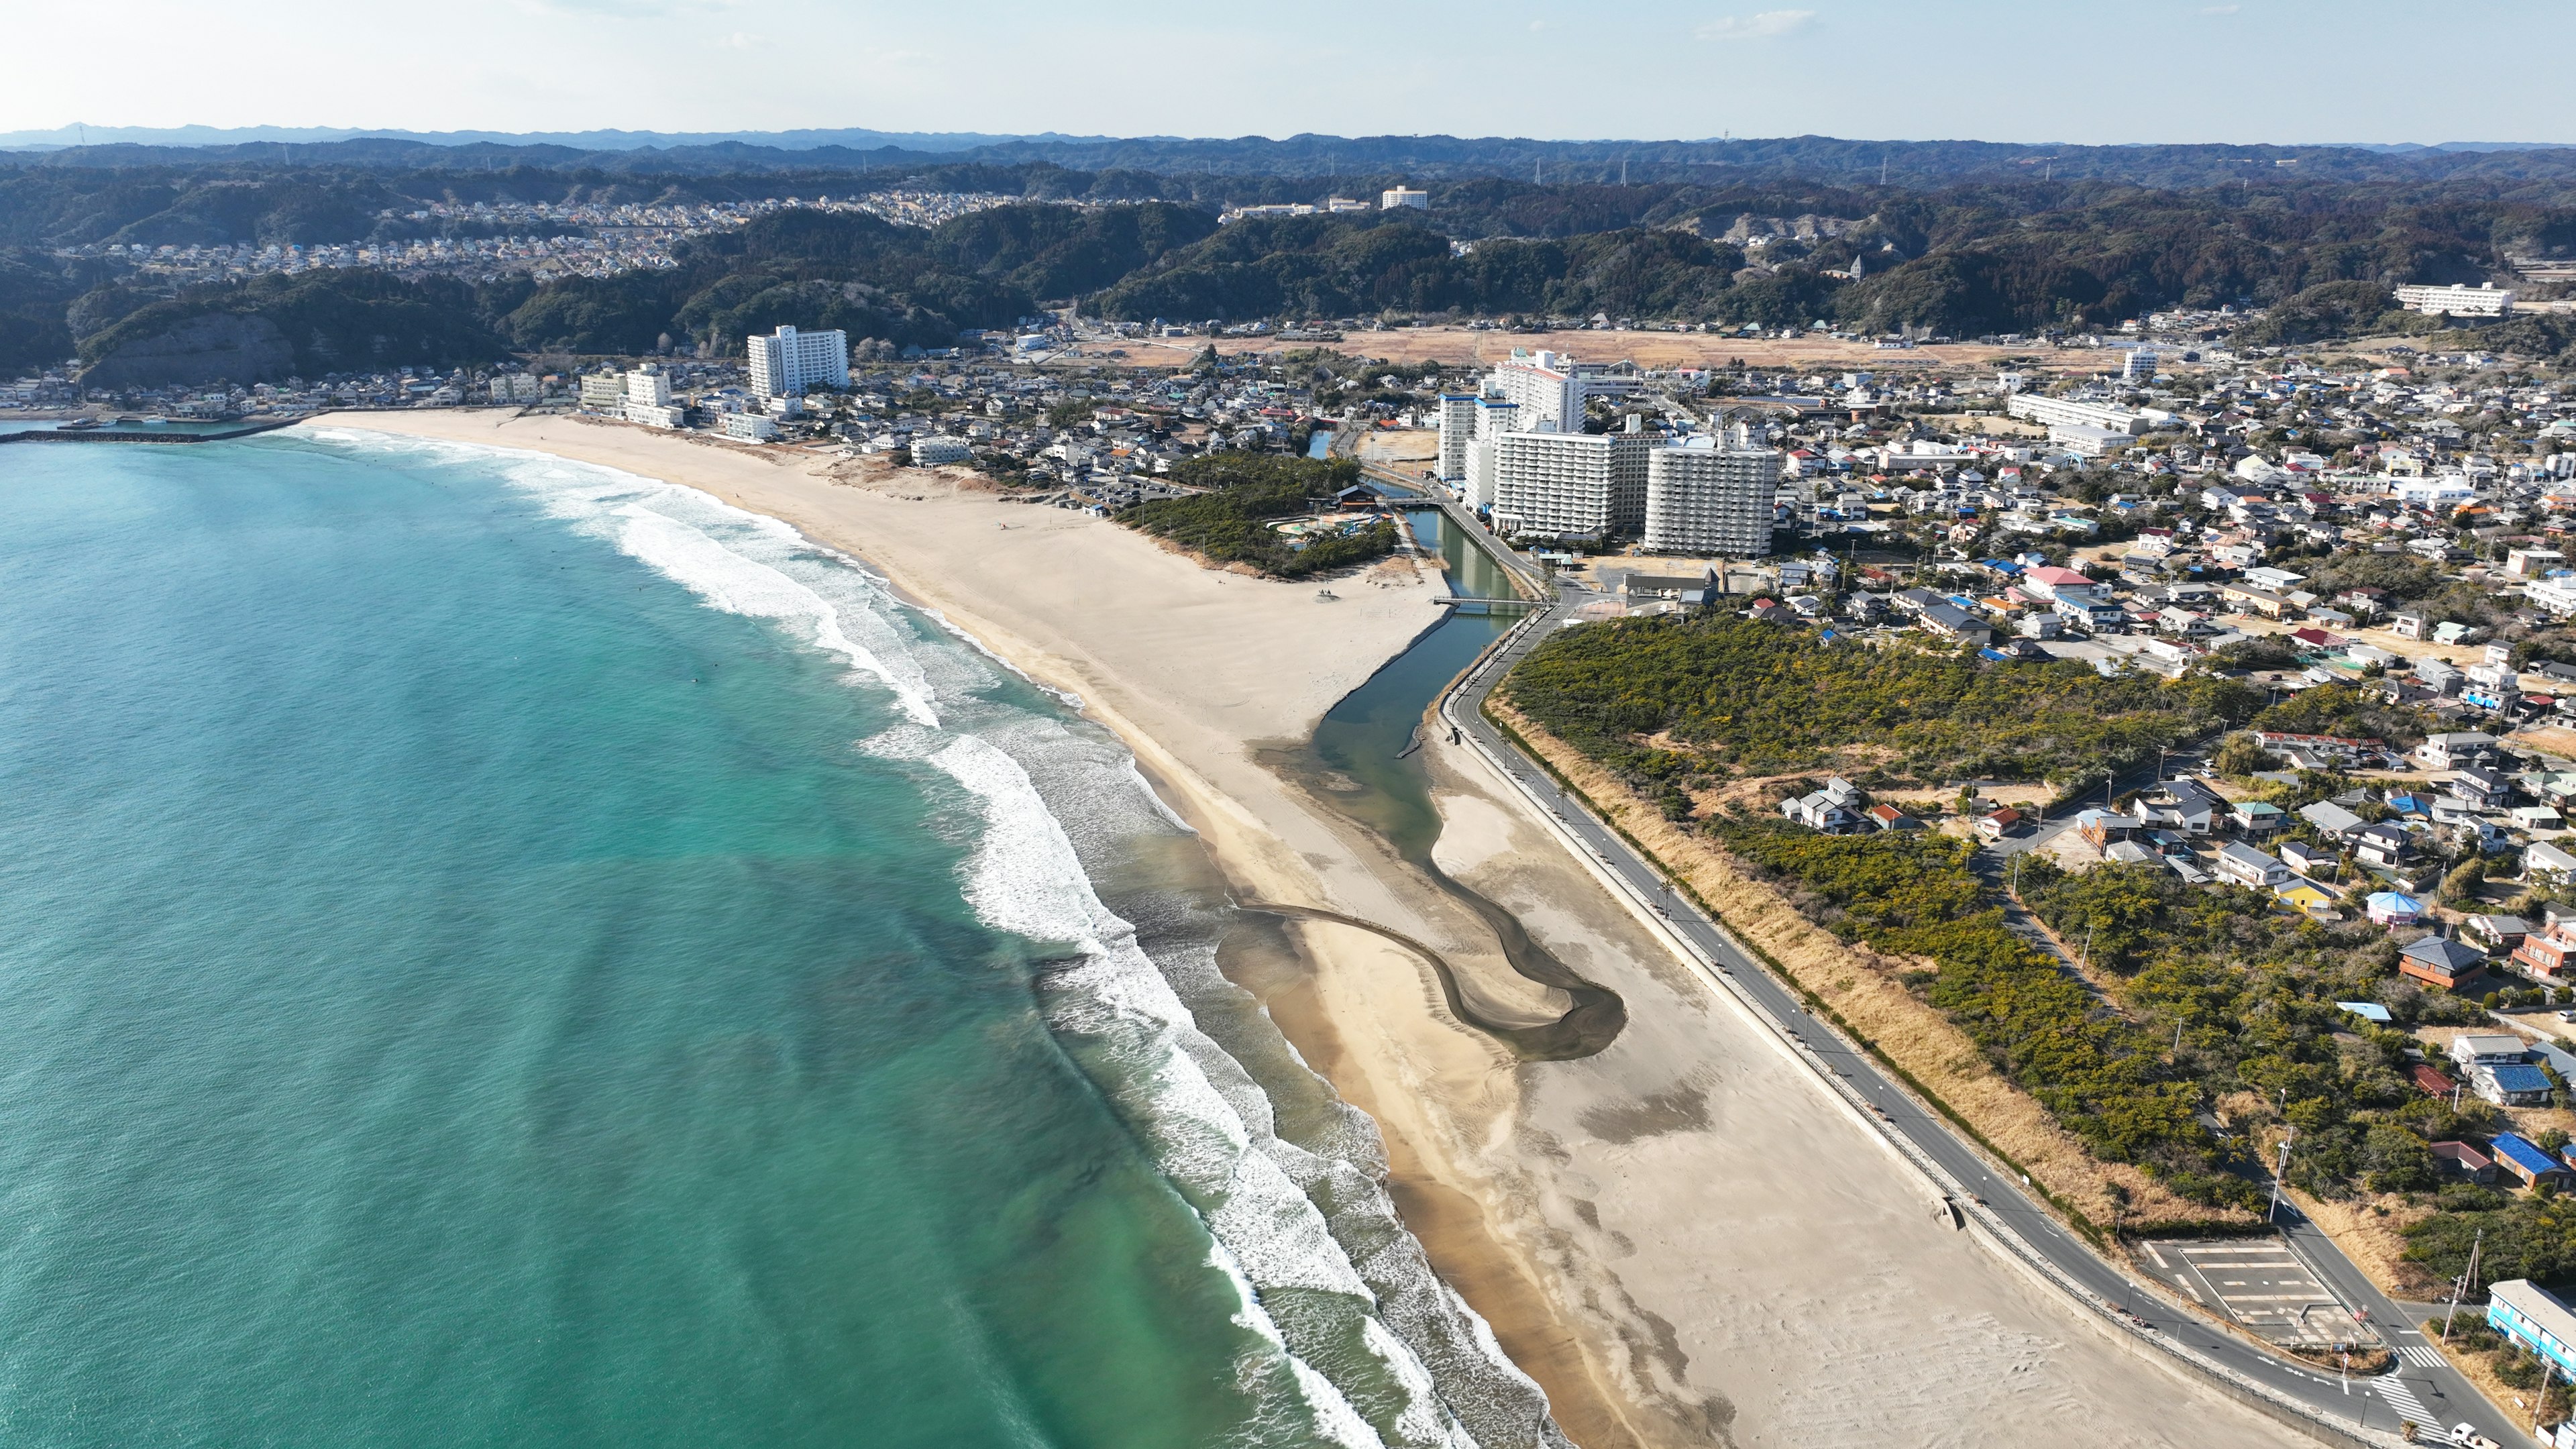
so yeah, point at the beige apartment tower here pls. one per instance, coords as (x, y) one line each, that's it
(1705, 497)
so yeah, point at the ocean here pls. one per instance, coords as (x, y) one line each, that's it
(498, 951)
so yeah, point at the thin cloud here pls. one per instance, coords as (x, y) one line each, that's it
(1762, 25)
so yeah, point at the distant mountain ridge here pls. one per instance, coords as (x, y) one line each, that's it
(1331, 158)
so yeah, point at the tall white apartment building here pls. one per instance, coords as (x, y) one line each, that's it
(1557, 484)
(603, 391)
(787, 361)
(1457, 429)
(2457, 300)
(2139, 365)
(1494, 418)
(1551, 389)
(1402, 196)
(2053, 411)
(1708, 497)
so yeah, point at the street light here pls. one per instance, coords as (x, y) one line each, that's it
(2277, 1172)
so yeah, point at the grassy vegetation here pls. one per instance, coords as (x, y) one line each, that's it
(2098, 1072)
(1252, 491)
(1666, 701)
(2214, 1005)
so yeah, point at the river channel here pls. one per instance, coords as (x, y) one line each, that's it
(1364, 762)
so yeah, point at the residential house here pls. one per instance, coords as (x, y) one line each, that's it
(1833, 809)
(2487, 1048)
(2389, 908)
(2256, 817)
(2544, 859)
(2185, 805)
(2332, 820)
(2430, 1080)
(2245, 865)
(2459, 1158)
(2382, 845)
(2494, 935)
(2457, 750)
(2301, 896)
(1996, 826)
(2548, 955)
(2099, 828)
(1888, 817)
(2523, 1161)
(2483, 788)
(1948, 621)
(2446, 964)
(2309, 861)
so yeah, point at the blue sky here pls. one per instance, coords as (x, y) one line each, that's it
(2010, 70)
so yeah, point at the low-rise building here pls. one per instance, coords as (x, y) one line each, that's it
(2525, 1313)
(2523, 1160)
(2459, 1159)
(2446, 964)
(2247, 866)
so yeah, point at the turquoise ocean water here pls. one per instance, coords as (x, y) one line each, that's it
(495, 951)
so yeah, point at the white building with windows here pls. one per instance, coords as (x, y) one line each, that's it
(1556, 484)
(2057, 411)
(933, 450)
(1403, 197)
(648, 386)
(787, 362)
(1494, 417)
(1551, 389)
(1708, 497)
(749, 427)
(1457, 430)
(2457, 300)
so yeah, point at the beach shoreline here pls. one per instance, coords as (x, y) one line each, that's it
(1642, 1228)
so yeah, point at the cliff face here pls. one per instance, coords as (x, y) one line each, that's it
(209, 347)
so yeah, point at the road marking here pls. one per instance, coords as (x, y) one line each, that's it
(2403, 1400)
(2420, 1356)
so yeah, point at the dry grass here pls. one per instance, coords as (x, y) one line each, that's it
(1865, 989)
(2371, 1231)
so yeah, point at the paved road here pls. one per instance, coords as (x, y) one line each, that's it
(2425, 1393)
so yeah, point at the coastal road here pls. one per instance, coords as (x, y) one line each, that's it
(2427, 1393)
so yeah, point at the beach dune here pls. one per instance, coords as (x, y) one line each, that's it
(1684, 1238)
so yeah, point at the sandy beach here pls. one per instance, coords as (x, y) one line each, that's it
(1684, 1238)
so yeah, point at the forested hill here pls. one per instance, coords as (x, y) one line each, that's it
(1964, 260)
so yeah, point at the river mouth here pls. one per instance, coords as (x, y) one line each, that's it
(1363, 764)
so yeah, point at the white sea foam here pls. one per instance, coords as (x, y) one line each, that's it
(738, 585)
(1207, 1123)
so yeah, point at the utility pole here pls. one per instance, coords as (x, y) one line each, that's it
(2460, 1285)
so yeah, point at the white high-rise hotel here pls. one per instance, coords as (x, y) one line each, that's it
(787, 362)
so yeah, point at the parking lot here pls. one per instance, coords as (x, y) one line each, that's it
(2260, 1284)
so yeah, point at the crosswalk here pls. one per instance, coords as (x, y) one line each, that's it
(2419, 1355)
(2403, 1400)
